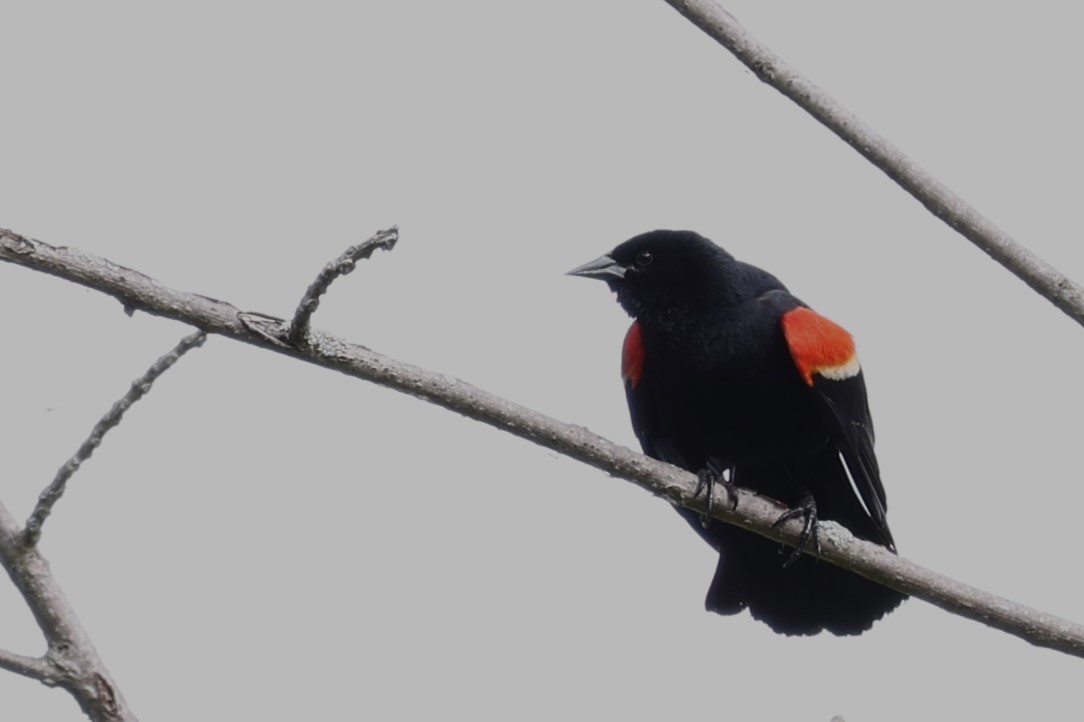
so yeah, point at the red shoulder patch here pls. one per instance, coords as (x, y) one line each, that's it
(819, 346)
(632, 355)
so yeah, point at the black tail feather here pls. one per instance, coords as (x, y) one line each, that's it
(811, 595)
(805, 598)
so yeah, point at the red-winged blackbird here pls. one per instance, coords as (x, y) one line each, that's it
(726, 372)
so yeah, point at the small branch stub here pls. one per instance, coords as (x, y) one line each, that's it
(344, 264)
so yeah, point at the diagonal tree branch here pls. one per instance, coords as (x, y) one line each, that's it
(139, 388)
(71, 661)
(754, 513)
(930, 192)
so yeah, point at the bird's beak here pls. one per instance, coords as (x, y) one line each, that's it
(602, 267)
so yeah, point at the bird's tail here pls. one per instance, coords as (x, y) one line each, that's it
(804, 598)
(809, 595)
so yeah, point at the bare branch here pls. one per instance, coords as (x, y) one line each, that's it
(138, 390)
(754, 513)
(71, 661)
(32, 667)
(341, 266)
(938, 198)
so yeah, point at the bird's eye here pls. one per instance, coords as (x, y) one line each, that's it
(644, 259)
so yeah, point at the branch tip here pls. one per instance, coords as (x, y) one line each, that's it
(344, 264)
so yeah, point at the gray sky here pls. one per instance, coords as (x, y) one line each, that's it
(266, 540)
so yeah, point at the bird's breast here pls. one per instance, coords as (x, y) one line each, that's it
(735, 398)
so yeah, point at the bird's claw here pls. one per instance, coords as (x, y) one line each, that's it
(706, 479)
(807, 510)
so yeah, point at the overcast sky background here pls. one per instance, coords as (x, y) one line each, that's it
(262, 539)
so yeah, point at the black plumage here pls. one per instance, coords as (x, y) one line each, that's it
(727, 372)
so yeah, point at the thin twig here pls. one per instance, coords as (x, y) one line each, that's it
(71, 661)
(754, 513)
(937, 197)
(341, 266)
(139, 388)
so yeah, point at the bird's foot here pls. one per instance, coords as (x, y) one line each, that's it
(807, 510)
(706, 479)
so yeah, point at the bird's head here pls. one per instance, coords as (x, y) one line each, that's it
(662, 271)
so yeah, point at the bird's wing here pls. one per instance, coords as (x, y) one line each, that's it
(825, 358)
(632, 366)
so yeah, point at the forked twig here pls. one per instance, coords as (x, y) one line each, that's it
(754, 512)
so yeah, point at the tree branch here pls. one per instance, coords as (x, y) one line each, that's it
(71, 661)
(938, 198)
(754, 513)
(32, 667)
(139, 388)
(341, 266)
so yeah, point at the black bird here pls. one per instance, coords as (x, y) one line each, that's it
(727, 373)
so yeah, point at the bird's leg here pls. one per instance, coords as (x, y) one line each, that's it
(706, 479)
(807, 510)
